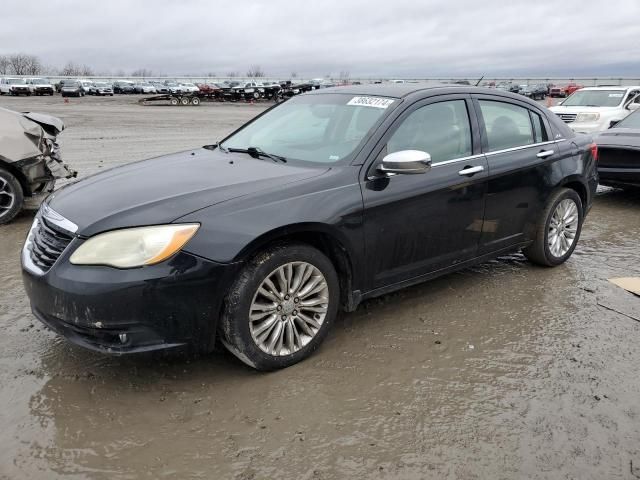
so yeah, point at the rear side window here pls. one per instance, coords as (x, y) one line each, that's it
(441, 129)
(507, 125)
(539, 132)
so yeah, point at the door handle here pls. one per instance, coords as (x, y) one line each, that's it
(469, 171)
(545, 153)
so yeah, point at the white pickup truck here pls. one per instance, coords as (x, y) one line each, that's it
(594, 109)
(40, 86)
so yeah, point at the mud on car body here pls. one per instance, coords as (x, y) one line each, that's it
(30, 160)
(322, 201)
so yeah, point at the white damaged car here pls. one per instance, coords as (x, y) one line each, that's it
(30, 160)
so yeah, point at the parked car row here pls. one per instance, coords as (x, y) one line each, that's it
(537, 91)
(26, 86)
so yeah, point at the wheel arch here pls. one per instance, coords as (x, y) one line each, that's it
(574, 183)
(22, 179)
(322, 237)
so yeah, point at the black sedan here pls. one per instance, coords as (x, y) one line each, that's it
(619, 153)
(321, 202)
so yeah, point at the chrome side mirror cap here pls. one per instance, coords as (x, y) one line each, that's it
(406, 162)
(633, 106)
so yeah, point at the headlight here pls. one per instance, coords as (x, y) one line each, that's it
(587, 117)
(134, 247)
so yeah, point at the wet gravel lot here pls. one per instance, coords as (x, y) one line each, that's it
(502, 371)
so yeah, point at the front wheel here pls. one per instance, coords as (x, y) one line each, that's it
(281, 306)
(558, 229)
(11, 196)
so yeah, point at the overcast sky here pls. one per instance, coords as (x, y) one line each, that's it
(396, 38)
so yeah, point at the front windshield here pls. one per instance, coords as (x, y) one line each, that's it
(16, 81)
(594, 98)
(631, 121)
(313, 128)
(40, 81)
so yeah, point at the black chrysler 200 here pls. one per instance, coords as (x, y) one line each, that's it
(328, 199)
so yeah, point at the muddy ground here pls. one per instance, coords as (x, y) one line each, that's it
(502, 371)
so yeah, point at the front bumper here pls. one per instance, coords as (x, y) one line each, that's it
(168, 305)
(587, 127)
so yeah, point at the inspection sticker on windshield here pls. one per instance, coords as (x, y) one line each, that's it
(376, 102)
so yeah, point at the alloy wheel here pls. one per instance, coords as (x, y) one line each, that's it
(288, 308)
(7, 196)
(563, 227)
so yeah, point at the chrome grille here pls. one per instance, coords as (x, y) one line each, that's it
(567, 117)
(46, 244)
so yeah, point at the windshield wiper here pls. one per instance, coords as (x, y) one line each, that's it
(256, 152)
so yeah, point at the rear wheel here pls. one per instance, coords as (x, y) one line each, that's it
(11, 196)
(174, 101)
(558, 229)
(281, 306)
(184, 101)
(195, 101)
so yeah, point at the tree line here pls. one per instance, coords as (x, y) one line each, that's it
(25, 64)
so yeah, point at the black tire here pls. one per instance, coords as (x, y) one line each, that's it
(234, 324)
(10, 184)
(539, 252)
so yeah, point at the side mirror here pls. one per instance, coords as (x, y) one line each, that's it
(633, 106)
(406, 161)
(613, 123)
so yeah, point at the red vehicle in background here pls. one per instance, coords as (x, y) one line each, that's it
(558, 91)
(570, 88)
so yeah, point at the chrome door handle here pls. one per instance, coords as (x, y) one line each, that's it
(545, 153)
(471, 170)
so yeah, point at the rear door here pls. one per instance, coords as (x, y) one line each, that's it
(519, 152)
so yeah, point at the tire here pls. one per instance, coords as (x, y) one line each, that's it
(184, 101)
(540, 251)
(243, 337)
(195, 101)
(174, 101)
(11, 196)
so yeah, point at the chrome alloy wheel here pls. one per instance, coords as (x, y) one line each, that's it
(7, 196)
(289, 308)
(563, 227)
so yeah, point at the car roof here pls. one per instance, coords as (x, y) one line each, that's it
(401, 90)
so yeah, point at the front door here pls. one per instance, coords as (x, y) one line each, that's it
(416, 224)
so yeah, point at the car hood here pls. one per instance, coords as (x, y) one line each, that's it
(21, 134)
(579, 109)
(163, 189)
(619, 137)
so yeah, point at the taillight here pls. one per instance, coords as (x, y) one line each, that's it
(594, 151)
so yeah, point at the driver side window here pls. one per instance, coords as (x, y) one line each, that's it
(440, 129)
